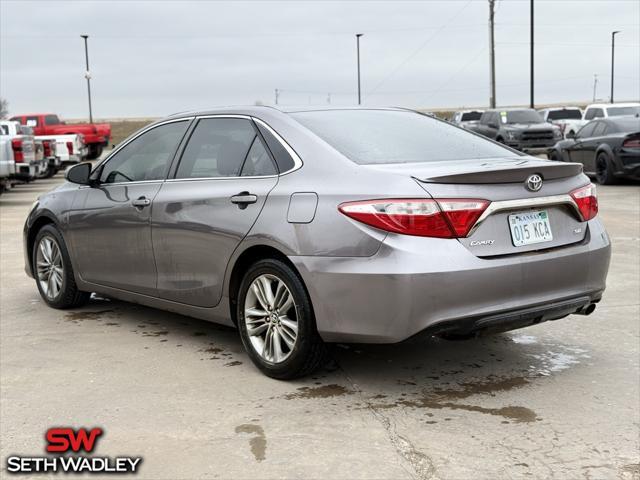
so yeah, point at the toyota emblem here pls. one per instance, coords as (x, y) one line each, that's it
(534, 182)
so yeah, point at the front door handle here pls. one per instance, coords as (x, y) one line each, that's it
(141, 202)
(243, 199)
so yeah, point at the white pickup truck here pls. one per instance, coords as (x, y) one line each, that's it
(569, 119)
(18, 153)
(66, 149)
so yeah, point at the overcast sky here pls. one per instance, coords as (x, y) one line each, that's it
(153, 58)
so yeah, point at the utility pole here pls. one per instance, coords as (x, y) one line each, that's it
(277, 95)
(358, 35)
(531, 101)
(492, 55)
(613, 49)
(87, 75)
(595, 84)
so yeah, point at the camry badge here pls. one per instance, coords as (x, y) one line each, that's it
(533, 182)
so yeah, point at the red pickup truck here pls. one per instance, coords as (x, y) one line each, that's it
(96, 136)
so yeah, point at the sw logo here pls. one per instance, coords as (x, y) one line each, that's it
(66, 440)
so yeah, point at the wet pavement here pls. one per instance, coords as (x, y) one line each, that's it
(558, 400)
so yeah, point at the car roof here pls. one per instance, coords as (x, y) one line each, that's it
(509, 109)
(555, 109)
(605, 105)
(262, 110)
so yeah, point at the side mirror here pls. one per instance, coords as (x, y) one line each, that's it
(79, 173)
(571, 134)
(493, 125)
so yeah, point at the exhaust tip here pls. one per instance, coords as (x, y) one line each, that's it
(586, 310)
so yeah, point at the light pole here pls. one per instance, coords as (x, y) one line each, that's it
(87, 75)
(358, 35)
(492, 55)
(613, 48)
(531, 79)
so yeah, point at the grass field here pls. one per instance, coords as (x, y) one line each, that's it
(121, 129)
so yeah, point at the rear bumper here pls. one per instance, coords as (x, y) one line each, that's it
(25, 171)
(417, 284)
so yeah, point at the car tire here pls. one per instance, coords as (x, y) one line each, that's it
(274, 304)
(51, 171)
(604, 170)
(53, 271)
(94, 152)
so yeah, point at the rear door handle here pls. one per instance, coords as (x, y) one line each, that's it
(141, 202)
(243, 199)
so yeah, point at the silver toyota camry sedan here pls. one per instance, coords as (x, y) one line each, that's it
(323, 225)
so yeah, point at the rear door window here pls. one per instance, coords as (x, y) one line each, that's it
(218, 147)
(600, 129)
(51, 120)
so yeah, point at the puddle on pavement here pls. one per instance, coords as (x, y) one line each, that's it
(325, 391)
(258, 441)
(79, 316)
(450, 398)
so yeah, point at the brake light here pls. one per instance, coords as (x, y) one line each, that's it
(444, 218)
(47, 148)
(16, 146)
(70, 148)
(586, 201)
(631, 143)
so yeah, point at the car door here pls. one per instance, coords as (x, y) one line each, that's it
(109, 222)
(199, 217)
(576, 151)
(590, 145)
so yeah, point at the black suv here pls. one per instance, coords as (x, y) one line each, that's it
(522, 129)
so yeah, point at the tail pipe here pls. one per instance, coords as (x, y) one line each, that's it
(586, 310)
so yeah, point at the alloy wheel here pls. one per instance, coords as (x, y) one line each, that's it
(49, 267)
(601, 170)
(271, 318)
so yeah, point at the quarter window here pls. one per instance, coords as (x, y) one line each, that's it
(147, 157)
(217, 148)
(258, 161)
(283, 159)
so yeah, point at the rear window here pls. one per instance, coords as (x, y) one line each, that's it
(620, 111)
(388, 136)
(566, 114)
(626, 125)
(470, 116)
(51, 120)
(521, 116)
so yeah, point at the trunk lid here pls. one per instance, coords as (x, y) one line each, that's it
(503, 183)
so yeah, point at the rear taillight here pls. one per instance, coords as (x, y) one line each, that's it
(16, 146)
(631, 143)
(586, 201)
(47, 148)
(70, 148)
(444, 218)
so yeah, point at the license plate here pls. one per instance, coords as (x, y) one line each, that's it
(528, 228)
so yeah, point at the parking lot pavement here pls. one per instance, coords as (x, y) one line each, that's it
(559, 400)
